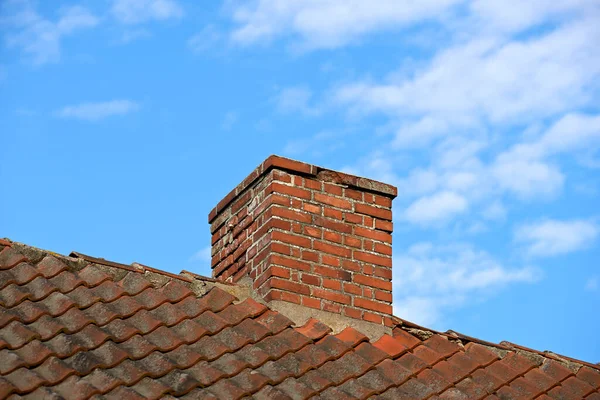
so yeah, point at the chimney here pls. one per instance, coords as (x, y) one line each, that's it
(308, 236)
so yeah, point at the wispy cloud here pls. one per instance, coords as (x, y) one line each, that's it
(97, 111)
(436, 208)
(229, 120)
(329, 23)
(139, 11)
(296, 99)
(592, 284)
(554, 237)
(429, 279)
(203, 255)
(206, 39)
(40, 38)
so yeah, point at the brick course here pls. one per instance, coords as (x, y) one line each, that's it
(309, 236)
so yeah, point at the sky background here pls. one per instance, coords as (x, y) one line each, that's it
(122, 123)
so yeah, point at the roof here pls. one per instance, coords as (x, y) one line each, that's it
(80, 327)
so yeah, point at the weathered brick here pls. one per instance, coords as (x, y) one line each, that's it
(382, 213)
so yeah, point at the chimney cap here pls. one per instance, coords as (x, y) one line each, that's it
(298, 167)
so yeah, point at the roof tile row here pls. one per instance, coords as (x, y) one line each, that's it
(74, 328)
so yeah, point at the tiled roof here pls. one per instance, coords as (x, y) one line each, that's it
(79, 327)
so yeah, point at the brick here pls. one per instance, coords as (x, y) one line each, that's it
(383, 225)
(353, 194)
(313, 231)
(310, 256)
(291, 263)
(331, 307)
(311, 302)
(353, 218)
(332, 225)
(372, 234)
(332, 236)
(381, 213)
(311, 279)
(332, 296)
(291, 239)
(312, 208)
(367, 316)
(372, 305)
(382, 201)
(383, 272)
(332, 249)
(289, 286)
(352, 288)
(332, 284)
(284, 296)
(289, 190)
(282, 176)
(333, 213)
(353, 312)
(372, 258)
(333, 273)
(333, 201)
(383, 249)
(352, 242)
(349, 265)
(330, 260)
(383, 296)
(313, 184)
(291, 214)
(333, 189)
(373, 282)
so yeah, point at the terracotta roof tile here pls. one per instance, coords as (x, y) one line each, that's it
(88, 328)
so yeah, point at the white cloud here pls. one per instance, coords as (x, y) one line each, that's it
(97, 111)
(329, 23)
(295, 99)
(430, 279)
(436, 208)
(592, 284)
(129, 36)
(40, 38)
(139, 11)
(203, 255)
(229, 120)
(204, 40)
(494, 79)
(553, 237)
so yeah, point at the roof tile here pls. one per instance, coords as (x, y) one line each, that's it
(589, 375)
(390, 345)
(525, 388)
(93, 276)
(50, 266)
(571, 388)
(175, 291)
(81, 330)
(24, 380)
(9, 257)
(151, 388)
(134, 283)
(15, 334)
(405, 338)
(351, 336)
(53, 371)
(314, 329)
(66, 281)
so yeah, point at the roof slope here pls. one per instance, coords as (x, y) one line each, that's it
(79, 327)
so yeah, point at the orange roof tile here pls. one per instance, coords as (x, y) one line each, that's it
(81, 327)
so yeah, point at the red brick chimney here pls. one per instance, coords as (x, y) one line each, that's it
(310, 236)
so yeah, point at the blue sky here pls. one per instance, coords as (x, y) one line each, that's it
(124, 122)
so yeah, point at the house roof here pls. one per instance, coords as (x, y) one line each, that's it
(78, 327)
